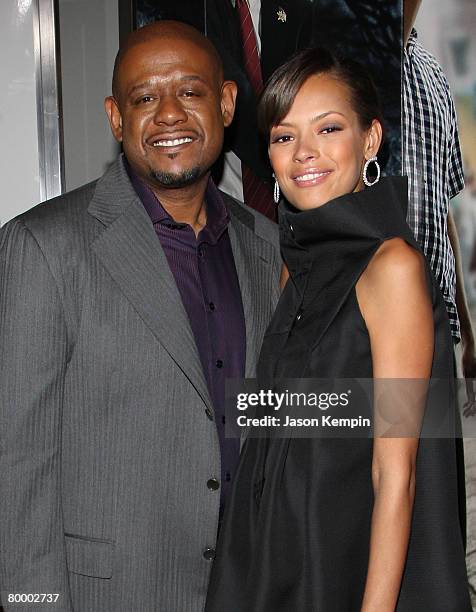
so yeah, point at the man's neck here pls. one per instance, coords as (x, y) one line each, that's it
(410, 11)
(187, 204)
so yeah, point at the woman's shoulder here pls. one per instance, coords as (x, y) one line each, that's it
(397, 261)
(395, 283)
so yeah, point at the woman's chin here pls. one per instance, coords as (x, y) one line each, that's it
(308, 200)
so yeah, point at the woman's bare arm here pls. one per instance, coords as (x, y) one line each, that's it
(283, 279)
(394, 300)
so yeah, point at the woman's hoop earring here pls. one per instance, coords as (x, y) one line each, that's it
(364, 172)
(276, 194)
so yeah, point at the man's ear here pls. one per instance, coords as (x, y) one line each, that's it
(373, 139)
(228, 101)
(114, 116)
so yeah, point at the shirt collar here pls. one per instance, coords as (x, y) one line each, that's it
(217, 212)
(218, 216)
(412, 40)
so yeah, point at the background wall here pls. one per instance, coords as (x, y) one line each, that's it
(89, 39)
(18, 114)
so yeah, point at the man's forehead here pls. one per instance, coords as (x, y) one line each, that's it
(152, 43)
(168, 50)
(164, 57)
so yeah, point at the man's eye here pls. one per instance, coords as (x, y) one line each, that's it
(144, 100)
(189, 93)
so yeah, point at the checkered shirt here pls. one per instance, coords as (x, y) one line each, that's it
(432, 162)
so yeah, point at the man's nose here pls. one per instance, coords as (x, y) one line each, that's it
(170, 111)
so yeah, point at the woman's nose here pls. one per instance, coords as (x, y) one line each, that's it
(306, 149)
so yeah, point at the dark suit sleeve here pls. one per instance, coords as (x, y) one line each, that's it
(33, 345)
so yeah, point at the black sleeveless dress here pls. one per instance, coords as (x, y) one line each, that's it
(297, 529)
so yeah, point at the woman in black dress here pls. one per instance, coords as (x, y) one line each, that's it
(344, 525)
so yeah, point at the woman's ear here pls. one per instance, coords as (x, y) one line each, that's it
(373, 139)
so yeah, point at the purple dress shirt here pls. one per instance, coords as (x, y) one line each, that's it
(204, 270)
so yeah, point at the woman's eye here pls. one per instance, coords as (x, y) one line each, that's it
(283, 138)
(329, 129)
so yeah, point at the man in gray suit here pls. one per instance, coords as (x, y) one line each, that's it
(124, 306)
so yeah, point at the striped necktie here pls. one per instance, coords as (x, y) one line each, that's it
(256, 192)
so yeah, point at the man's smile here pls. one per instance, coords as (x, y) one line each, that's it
(172, 141)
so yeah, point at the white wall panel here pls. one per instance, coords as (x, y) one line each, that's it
(19, 165)
(89, 39)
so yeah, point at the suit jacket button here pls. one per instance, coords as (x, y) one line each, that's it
(209, 554)
(213, 484)
(209, 414)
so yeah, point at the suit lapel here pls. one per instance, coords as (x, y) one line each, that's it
(130, 251)
(253, 260)
(253, 267)
(237, 241)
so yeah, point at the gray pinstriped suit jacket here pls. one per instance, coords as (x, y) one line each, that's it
(105, 445)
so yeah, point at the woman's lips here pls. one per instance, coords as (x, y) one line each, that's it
(311, 178)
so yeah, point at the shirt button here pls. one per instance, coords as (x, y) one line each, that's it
(209, 413)
(227, 476)
(211, 305)
(201, 251)
(209, 554)
(219, 363)
(213, 484)
(299, 315)
(291, 228)
(223, 419)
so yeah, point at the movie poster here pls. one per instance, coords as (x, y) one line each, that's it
(369, 32)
